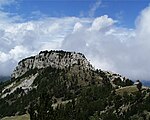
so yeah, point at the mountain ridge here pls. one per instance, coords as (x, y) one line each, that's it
(66, 83)
(57, 59)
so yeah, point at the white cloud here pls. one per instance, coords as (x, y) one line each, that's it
(94, 8)
(6, 2)
(102, 23)
(19, 40)
(3, 57)
(113, 48)
(78, 26)
(17, 52)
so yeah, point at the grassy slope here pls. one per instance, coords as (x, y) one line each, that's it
(128, 89)
(23, 117)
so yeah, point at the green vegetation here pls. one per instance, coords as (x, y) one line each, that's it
(59, 83)
(94, 103)
(128, 89)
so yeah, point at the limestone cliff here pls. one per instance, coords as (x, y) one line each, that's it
(55, 59)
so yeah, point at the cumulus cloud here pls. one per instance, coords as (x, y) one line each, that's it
(78, 26)
(113, 48)
(102, 22)
(105, 47)
(19, 40)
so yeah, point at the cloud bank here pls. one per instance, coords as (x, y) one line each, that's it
(113, 48)
(106, 45)
(19, 40)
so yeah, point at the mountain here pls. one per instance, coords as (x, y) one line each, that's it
(146, 83)
(60, 85)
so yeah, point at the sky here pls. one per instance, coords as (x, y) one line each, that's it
(113, 34)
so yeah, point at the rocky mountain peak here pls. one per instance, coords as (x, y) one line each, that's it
(56, 59)
(57, 78)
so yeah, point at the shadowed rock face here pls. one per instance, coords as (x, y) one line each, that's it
(55, 59)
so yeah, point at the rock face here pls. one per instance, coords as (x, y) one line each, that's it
(55, 59)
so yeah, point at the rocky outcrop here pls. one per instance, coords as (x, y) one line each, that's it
(117, 80)
(55, 59)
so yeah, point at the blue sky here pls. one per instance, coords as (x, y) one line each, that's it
(113, 34)
(125, 11)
